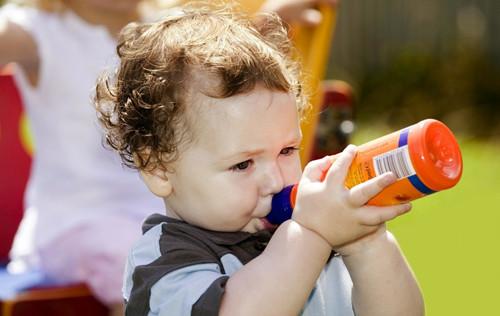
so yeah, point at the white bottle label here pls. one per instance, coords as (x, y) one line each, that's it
(397, 161)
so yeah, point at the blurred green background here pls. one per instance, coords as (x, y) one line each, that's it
(411, 60)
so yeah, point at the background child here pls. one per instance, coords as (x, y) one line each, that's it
(82, 209)
(206, 105)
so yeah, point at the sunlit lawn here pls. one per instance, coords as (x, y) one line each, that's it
(452, 238)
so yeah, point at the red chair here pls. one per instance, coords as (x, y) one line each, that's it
(15, 163)
(71, 300)
(336, 119)
(27, 297)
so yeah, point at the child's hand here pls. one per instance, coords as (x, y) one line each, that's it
(336, 213)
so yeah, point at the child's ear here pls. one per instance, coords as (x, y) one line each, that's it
(157, 181)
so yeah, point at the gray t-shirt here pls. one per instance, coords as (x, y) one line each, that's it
(180, 269)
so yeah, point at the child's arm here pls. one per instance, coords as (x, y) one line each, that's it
(280, 280)
(383, 282)
(18, 46)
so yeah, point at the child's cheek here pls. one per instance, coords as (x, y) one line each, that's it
(242, 197)
(249, 202)
(292, 171)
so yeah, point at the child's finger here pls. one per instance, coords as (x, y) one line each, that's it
(376, 215)
(363, 192)
(314, 170)
(338, 171)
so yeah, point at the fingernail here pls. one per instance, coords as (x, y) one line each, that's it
(350, 148)
(389, 178)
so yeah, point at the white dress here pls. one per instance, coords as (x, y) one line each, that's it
(74, 179)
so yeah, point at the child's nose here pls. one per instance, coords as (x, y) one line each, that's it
(272, 180)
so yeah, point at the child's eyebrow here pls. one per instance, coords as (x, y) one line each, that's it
(293, 141)
(242, 154)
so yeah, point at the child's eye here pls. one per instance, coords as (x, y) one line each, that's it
(242, 165)
(288, 151)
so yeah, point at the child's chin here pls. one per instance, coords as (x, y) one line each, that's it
(263, 224)
(253, 226)
(258, 224)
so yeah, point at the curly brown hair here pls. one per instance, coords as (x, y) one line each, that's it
(142, 107)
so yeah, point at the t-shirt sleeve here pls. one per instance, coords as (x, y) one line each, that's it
(182, 277)
(22, 16)
(209, 302)
(194, 290)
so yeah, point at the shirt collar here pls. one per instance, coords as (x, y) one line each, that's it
(220, 238)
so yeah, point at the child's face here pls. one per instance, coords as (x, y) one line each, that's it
(245, 150)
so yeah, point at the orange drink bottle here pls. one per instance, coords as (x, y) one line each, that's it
(425, 157)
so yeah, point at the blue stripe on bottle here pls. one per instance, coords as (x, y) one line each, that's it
(419, 185)
(414, 179)
(403, 137)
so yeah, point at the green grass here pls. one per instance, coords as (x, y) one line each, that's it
(452, 238)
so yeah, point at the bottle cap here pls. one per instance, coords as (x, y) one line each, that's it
(435, 154)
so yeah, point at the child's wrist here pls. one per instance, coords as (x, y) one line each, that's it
(312, 235)
(313, 224)
(369, 247)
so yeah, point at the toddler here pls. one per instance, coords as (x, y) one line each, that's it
(207, 106)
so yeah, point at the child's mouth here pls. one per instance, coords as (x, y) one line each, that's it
(266, 225)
